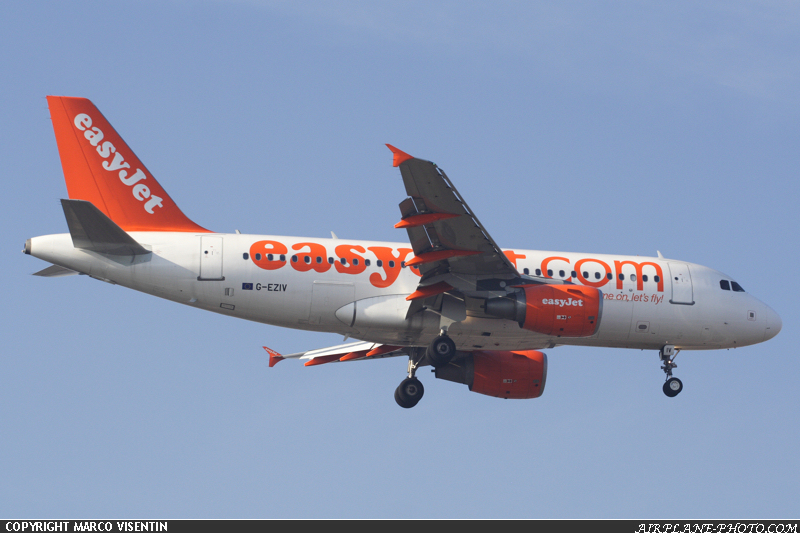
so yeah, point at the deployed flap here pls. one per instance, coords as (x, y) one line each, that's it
(92, 230)
(100, 167)
(55, 271)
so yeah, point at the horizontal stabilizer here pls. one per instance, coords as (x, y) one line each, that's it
(92, 230)
(55, 271)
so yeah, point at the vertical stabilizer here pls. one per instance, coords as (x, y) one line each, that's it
(100, 168)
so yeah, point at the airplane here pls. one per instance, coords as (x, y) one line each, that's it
(449, 298)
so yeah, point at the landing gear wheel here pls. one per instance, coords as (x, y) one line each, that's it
(672, 387)
(409, 393)
(441, 351)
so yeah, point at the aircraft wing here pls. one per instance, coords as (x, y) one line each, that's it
(444, 232)
(344, 352)
(455, 254)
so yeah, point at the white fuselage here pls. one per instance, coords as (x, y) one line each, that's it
(658, 302)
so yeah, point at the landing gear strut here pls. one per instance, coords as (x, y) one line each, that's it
(410, 391)
(672, 386)
(439, 354)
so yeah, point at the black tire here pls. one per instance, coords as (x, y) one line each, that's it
(441, 351)
(400, 400)
(672, 387)
(409, 393)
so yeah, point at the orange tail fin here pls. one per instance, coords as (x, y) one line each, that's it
(100, 168)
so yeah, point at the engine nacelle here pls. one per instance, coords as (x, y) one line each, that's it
(558, 310)
(518, 375)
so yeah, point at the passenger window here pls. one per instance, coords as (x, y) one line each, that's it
(644, 277)
(724, 285)
(656, 279)
(245, 256)
(610, 276)
(269, 257)
(307, 259)
(622, 276)
(319, 259)
(538, 271)
(366, 262)
(391, 264)
(355, 262)
(258, 257)
(633, 277)
(561, 273)
(550, 272)
(736, 287)
(294, 259)
(526, 271)
(574, 274)
(597, 275)
(342, 260)
(585, 275)
(330, 260)
(402, 264)
(379, 263)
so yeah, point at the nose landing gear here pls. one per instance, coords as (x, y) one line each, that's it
(672, 386)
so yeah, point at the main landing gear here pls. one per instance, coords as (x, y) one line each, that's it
(672, 386)
(440, 352)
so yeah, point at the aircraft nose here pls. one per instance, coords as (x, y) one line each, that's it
(774, 324)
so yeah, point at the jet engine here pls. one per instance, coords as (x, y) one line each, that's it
(517, 375)
(559, 310)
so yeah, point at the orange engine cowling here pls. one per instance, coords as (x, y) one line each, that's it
(518, 375)
(559, 310)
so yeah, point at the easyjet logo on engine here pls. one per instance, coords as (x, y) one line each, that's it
(562, 303)
(95, 135)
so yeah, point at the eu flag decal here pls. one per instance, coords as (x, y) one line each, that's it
(247, 286)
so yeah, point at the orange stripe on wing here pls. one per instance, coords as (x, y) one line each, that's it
(430, 290)
(322, 360)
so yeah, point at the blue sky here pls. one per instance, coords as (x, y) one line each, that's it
(582, 126)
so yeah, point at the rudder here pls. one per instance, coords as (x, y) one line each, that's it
(99, 167)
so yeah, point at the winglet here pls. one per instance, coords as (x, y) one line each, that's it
(274, 357)
(399, 156)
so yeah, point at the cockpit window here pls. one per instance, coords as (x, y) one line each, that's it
(724, 285)
(736, 287)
